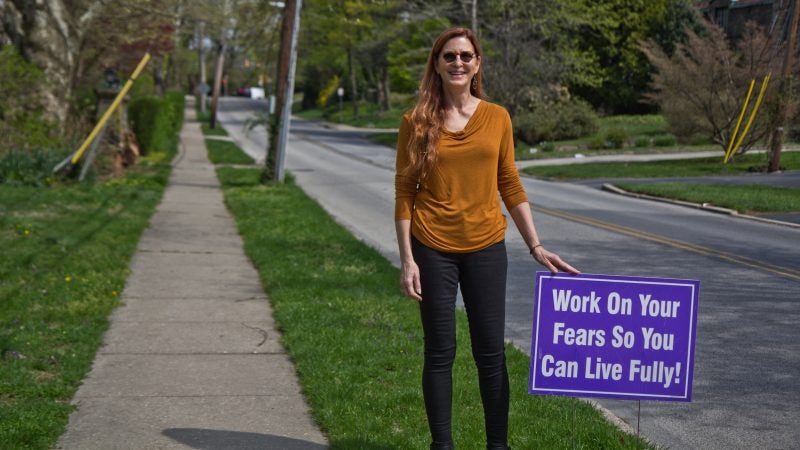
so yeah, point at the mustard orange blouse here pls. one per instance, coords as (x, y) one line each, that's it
(457, 209)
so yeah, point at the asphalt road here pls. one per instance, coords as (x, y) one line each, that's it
(747, 357)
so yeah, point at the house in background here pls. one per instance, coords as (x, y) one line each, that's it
(732, 15)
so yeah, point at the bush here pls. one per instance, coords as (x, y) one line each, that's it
(666, 140)
(596, 143)
(29, 167)
(699, 139)
(153, 121)
(616, 137)
(532, 128)
(548, 147)
(641, 141)
(178, 102)
(555, 121)
(145, 86)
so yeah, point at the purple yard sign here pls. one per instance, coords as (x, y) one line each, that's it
(614, 336)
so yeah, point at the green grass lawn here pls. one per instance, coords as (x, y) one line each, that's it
(744, 199)
(225, 152)
(647, 126)
(65, 257)
(369, 116)
(387, 139)
(357, 343)
(216, 131)
(659, 169)
(748, 198)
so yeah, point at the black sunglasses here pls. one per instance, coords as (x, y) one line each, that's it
(464, 56)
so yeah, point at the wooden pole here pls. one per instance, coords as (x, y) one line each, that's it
(286, 112)
(201, 52)
(217, 81)
(283, 97)
(780, 119)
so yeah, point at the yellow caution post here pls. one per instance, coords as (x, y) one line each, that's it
(732, 150)
(741, 116)
(124, 91)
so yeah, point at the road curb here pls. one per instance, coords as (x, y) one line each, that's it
(704, 206)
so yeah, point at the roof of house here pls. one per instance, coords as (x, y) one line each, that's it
(731, 4)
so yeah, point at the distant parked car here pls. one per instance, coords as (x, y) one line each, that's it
(256, 92)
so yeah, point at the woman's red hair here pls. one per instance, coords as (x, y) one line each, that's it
(427, 115)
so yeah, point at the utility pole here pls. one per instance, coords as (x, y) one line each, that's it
(279, 129)
(780, 119)
(218, 72)
(202, 56)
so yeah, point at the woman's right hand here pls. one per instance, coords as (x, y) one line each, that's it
(409, 280)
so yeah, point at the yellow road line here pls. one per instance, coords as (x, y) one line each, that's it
(737, 259)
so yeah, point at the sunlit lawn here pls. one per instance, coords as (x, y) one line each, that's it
(65, 256)
(357, 343)
(660, 169)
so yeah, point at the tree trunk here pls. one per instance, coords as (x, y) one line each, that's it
(217, 81)
(202, 56)
(353, 81)
(780, 118)
(46, 34)
(281, 80)
(385, 89)
(475, 16)
(158, 77)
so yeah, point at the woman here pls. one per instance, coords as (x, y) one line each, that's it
(455, 151)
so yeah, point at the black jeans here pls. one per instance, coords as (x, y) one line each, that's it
(482, 276)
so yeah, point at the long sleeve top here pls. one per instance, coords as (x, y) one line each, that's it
(457, 209)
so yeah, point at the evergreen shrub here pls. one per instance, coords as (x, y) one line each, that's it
(178, 102)
(152, 120)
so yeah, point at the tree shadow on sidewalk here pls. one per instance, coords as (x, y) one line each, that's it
(205, 439)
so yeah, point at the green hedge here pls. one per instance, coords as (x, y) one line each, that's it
(178, 102)
(156, 120)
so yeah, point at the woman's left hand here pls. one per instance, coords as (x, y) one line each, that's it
(551, 261)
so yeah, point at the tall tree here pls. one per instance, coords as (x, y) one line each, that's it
(522, 54)
(49, 34)
(606, 37)
(702, 86)
(68, 39)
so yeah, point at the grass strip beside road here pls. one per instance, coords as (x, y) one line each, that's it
(216, 131)
(357, 343)
(386, 139)
(660, 169)
(744, 199)
(205, 124)
(226, 152)
(66, 251)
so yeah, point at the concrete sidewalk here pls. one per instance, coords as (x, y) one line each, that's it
(193, 359)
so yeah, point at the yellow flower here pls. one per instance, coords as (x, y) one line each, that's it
(27, 232)
(114, 293)
(67, 279)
